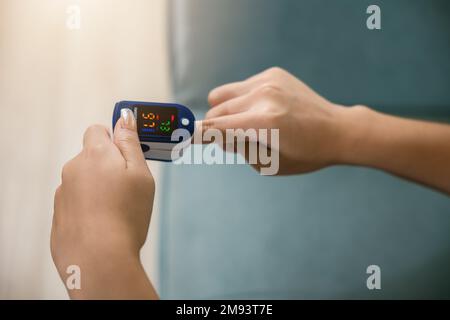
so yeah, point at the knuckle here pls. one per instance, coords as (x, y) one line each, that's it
(270, 115)
(275, 71)
(268, 89)
(90, 130)
(95, 127)
(274, 117)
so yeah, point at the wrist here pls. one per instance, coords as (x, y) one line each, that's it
(118, 276)
(355, 131)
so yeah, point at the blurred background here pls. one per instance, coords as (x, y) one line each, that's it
(54, 82)
(224, 231)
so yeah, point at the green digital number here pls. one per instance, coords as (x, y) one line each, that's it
(165, 126)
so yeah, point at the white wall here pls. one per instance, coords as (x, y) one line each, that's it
(54, 82)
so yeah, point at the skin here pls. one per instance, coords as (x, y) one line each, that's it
(103, 206)
(102, 214)
(316, 133)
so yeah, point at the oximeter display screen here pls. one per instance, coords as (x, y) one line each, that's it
(156, 120)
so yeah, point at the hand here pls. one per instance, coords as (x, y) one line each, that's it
(315, 133)
(102, 214)
(311, 128)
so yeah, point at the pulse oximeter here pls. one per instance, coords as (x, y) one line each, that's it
(161, 127)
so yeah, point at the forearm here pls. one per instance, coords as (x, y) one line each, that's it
(415, 150)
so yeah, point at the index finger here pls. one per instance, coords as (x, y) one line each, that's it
(235, 121)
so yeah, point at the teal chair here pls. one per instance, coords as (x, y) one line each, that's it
(227, 232)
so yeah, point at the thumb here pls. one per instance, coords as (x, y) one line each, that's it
(126, 139)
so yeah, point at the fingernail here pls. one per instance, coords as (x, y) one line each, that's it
(128, 118)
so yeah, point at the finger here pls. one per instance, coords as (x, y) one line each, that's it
(197, 137)
(234, 89)
(235, 121)
(127, 140)
(227, 91)
(235, 105)
(96, 135)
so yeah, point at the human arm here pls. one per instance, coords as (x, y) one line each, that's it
(316, 133)
(102, 213)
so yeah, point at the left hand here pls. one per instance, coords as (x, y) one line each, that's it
(102, 214)
(313, 132)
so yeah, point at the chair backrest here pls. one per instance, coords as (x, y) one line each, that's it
(402, 68)
(229, 233)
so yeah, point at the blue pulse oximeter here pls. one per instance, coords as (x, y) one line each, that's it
(158, 127)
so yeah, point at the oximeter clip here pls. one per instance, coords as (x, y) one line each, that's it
(162, 127)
